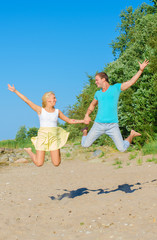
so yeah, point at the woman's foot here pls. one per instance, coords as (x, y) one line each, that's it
(28, 150)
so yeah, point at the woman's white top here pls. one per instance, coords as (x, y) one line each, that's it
(48, 119)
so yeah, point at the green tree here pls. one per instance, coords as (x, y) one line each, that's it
(32, 132)
(129, 20)
(21, 134)
(154, 6)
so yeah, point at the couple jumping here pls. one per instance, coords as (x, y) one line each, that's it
(52, 138)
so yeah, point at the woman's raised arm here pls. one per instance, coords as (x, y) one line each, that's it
(35, 107)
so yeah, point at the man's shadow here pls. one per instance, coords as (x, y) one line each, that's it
(81, 191)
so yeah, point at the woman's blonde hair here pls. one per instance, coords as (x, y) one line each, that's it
(45, 97)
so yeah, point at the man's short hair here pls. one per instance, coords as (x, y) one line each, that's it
(102, 75)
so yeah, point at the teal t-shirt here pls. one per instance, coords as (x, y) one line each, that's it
(107, 104)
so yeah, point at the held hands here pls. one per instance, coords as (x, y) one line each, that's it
(87, 120)
(11, 88)
(75, 121)
(143, 65)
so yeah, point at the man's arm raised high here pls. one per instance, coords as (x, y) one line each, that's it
(134, 79)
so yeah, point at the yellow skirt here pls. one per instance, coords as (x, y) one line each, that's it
(50, 138)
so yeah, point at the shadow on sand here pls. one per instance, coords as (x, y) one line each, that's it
(126, 188)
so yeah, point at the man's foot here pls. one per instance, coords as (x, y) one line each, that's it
(132, 135)
(28, 150)
(83, 129)
(135, 134)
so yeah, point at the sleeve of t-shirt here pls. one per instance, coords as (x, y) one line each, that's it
(118, 86)
(96, 96)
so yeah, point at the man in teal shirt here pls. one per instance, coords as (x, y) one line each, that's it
(106, 121)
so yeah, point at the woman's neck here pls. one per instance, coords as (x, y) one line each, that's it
(49, 109)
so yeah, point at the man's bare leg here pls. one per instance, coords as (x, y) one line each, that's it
(132, 135)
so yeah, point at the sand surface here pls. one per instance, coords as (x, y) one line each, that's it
(78, 200)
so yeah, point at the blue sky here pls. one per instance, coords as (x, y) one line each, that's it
(49, 45)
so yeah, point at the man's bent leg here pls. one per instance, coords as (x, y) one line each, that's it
(95, 132)
(114, 132)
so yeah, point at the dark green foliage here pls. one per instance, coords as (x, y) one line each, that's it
(137, 105)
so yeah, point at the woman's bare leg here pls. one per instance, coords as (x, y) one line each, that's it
(37, 158)
(55, 157)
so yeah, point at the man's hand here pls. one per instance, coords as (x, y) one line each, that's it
(143, 65)
(134, 79)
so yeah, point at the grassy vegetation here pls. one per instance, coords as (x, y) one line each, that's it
(8, 144)
(133, 155)
(128, 163)
(153, 159)
(102, 154)
(117, 163)
(68, 154)
(16, 144)
(150, 148)
(139, 161)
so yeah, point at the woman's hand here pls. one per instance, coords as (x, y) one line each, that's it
(35, 107)
(11, 88)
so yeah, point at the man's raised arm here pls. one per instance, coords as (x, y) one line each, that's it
(134, 79)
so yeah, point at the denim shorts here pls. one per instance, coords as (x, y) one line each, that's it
(110, 129)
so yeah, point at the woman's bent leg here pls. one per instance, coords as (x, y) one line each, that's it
(55, 157)
(38, 158)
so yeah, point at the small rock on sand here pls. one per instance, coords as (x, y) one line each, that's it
(21, 160)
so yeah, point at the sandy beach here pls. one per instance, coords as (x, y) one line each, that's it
(80, 199)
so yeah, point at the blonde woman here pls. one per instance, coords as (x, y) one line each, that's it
(50, 137)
